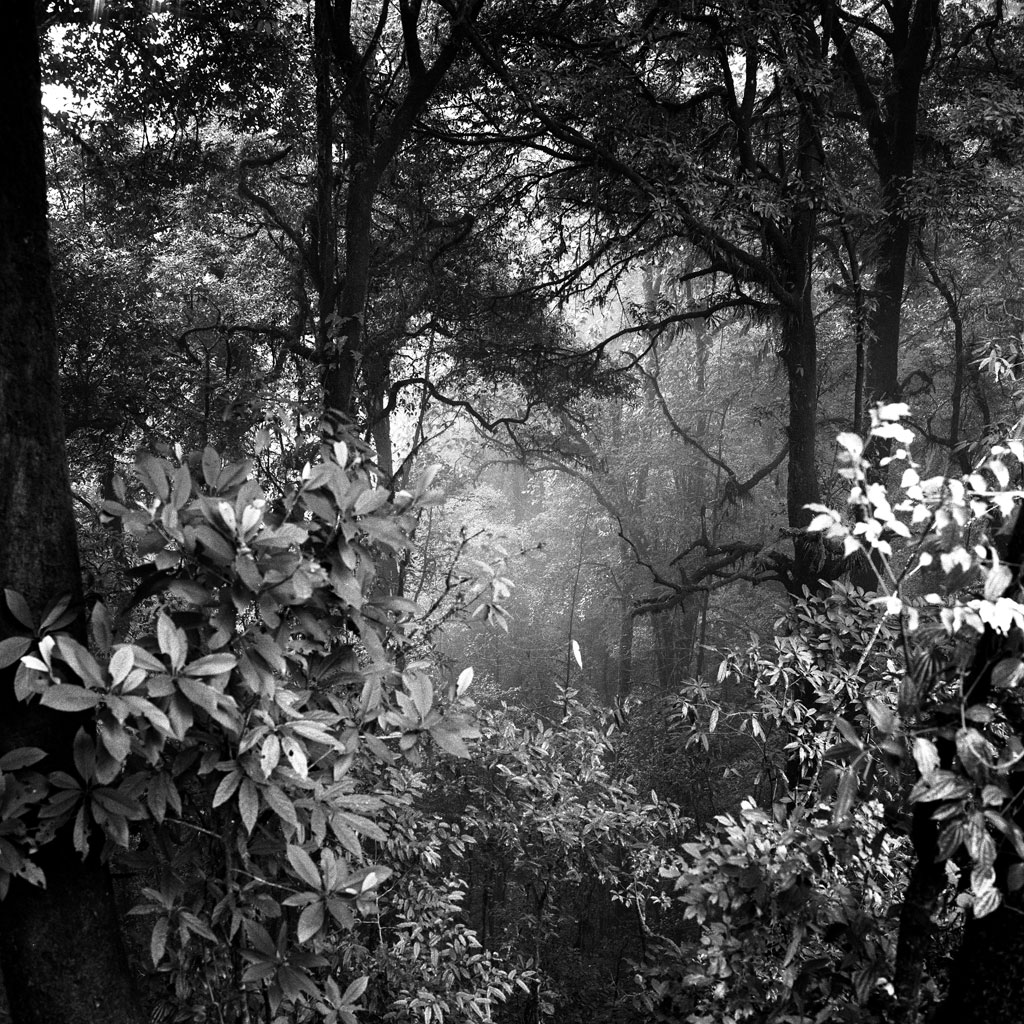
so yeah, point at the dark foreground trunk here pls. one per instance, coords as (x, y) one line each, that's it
(986, 984)
(60, 949)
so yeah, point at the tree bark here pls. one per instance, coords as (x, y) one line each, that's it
(60, 947)
(986, 980)
(800, 356)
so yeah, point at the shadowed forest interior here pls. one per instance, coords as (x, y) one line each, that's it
(510, 512)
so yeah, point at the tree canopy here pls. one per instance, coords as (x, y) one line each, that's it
(511, 511)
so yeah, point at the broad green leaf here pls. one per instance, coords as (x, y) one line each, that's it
(849, 733)
(12, 649)
(352, 994)
(449, 741)
(270, 754)
(1008, 673)
(211, 665)
(422, 692)
(926, 755)
(370, 500)
(885, 721)
(121, 663)
(58, 616)
(211, 467)
(464, 681)
(171, 641)
(158, 940)
(20, 757)
(311, 920)
(296, 756)
(19, 608)
(248, 804)
(303, 866)
(985, 903)
(68, 697)
(81, 662)
(281, 805)
(227, 787)
(846, 794)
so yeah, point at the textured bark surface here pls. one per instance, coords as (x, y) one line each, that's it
(60, 949)
(987, 977)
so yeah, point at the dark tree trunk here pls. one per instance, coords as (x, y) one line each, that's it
(924, 886)
(625, 651)
(986, 981)
(987, 977)
(890, 120)
(60, 948)
(800, 355)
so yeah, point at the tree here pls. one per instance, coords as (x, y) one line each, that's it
(60, 948)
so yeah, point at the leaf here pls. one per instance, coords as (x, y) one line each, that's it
(464, 681)
(354, 991)
(370, 500)
(926, 755)
(211, 467)
(950, 839)
(851, 443)
(997, 581)
(227, 787)
(1008, 673)
(248, 804)
(882, 717)
(422, 692)
(211, 665)
(304, 867)
(158, 940)
(82, 663)
(199, 694)
(19, 608)
(189, 591)
(311, 920)
(576, 653)
(121, 663)
(58, 615)
(849, 733)
(68, 697)
(101, 627)
(296, 756)
(985, 903)
(153, 474)
(281, 805)
(20, 757)
(118, 802)
(12, 649)
(171, 641)
(449, 741)
(846, 795)
(270, 754)
(1015, 877)
(975, 752)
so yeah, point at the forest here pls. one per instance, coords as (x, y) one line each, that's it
(509, 511)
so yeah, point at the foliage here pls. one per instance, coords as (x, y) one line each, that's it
(243, 749)
(791, 922)
(787, 909)
(563, 868)
(954, 593)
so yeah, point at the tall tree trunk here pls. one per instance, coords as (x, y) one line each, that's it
(800, 355)
(60, 947)
(891, 121)
(986, 981)
(335, 357)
